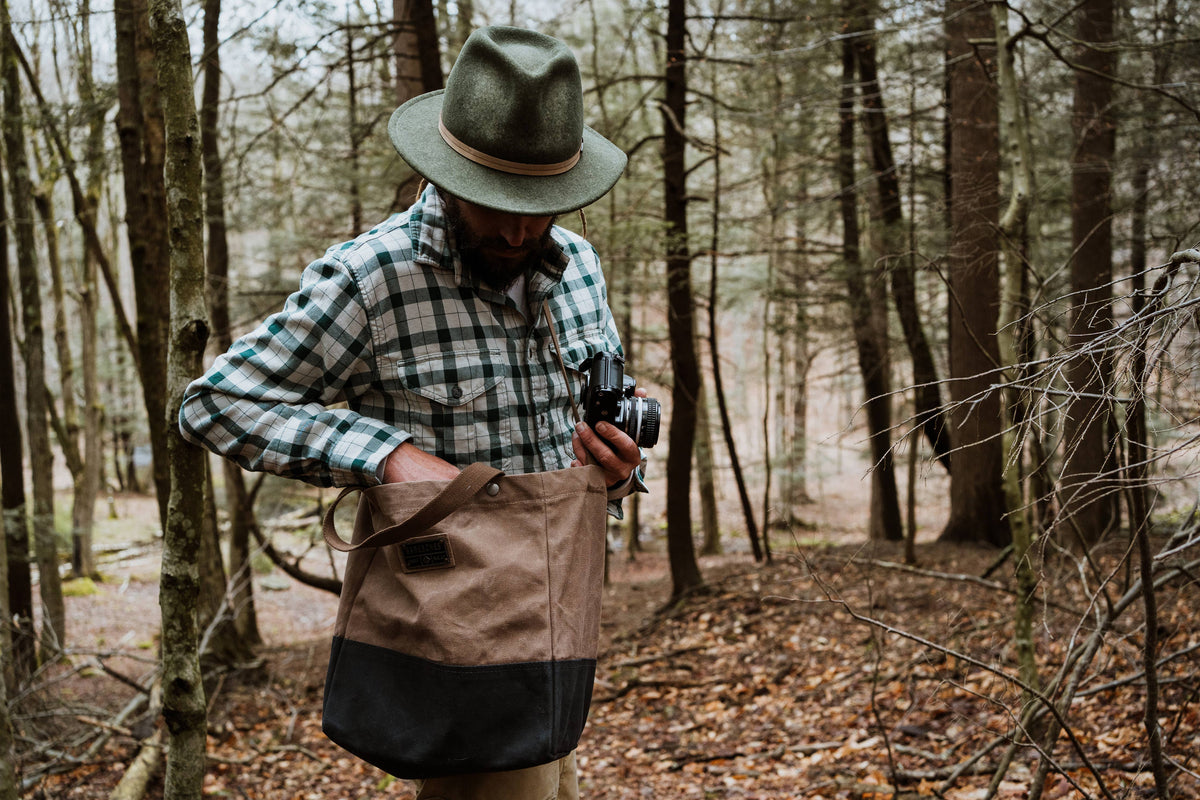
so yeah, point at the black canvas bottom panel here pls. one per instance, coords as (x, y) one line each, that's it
(414, 718)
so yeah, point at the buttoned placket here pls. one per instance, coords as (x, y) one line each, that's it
(538, 383)
(541, 383)
(543, 367)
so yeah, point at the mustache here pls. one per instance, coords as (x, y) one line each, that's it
(500, 245)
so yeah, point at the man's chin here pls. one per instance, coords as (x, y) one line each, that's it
(499, 273)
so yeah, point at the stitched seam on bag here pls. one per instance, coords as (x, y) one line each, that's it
(353, 598)
(550, 624)
(437, 665)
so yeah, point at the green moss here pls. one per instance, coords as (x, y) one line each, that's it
(79, 587)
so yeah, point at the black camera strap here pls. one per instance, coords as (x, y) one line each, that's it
(558, 357)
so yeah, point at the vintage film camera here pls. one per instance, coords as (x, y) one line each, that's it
(608, 397)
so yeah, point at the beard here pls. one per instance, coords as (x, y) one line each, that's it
(491, 259)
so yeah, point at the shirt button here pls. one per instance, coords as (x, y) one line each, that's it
(456, 392)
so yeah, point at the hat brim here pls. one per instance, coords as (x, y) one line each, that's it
(413, 129)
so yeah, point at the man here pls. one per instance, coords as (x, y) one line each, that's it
(434, 327)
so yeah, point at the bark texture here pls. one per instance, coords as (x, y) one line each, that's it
(418, 66)
(685, 574)
(977, 504)
(241, 632)
(1087, 500)
(17, 598)
(87, 484)
(37, 422)
(927, 396)
(871, 346)
(141, 134)
(183, 692)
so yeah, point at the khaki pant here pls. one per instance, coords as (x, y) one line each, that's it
(554, 781)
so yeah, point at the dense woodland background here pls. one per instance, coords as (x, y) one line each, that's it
(947, 249)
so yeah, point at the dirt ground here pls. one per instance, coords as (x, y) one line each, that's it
(764, 685)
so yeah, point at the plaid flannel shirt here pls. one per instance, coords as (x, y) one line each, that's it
(388, 340)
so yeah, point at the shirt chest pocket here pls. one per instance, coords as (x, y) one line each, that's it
(456, 405)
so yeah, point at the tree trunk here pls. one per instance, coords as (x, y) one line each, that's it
(799, 345)
(768, 331)
(415, 45)
(183, 690)
(685, 574)
(623, 310)
(9, 785)
(714, 354)
(67, 427)
(801, 364)
(1139, 453)
(352, 129)
(926, 394)
(140, 130)
(710, 523)
(1014, 233)
(885, 522)
(1087, 501)
(69, 436)
(418, 65)
(1146, 155)
(84, 474)
(237, 501)
(87, 485)
(977, 504)
(53, 632)
(16, 599)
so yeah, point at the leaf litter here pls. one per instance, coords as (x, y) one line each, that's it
(760, 685)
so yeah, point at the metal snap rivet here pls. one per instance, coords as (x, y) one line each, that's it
(493, 489)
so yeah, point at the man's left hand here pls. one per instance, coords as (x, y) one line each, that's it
(609, 447)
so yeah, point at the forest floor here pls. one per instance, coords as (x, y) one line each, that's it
(763, 685)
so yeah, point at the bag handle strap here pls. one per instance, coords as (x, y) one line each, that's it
(455, 494)
(558, 357)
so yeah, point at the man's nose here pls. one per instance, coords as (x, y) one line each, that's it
(517, 229)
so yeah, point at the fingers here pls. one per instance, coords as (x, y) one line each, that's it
(582, 456)
(609, 447)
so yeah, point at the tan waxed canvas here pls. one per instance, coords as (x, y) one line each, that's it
(526, 580)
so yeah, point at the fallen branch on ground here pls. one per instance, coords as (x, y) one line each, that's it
(141, 770)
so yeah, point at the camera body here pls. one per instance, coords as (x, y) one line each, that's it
(608, 397)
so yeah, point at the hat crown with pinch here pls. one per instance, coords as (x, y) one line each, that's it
(516, 95)
(507, 132)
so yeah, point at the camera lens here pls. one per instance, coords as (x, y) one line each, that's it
(645, 416)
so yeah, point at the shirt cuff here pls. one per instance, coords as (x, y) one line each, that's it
(358, 455)
(622, 488)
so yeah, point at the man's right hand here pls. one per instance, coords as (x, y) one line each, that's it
(410, 463)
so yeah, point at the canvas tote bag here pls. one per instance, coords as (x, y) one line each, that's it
(468, 622)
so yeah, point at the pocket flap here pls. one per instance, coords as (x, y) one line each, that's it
(453, 379)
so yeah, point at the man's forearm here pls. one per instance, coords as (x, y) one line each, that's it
(410, 463)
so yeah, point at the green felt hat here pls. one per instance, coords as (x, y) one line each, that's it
(507, 132)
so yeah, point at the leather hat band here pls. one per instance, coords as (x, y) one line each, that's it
(511, 167)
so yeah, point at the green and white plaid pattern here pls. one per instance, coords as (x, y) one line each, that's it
(388, 339)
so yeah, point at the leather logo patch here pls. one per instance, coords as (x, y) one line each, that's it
(426, 553)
